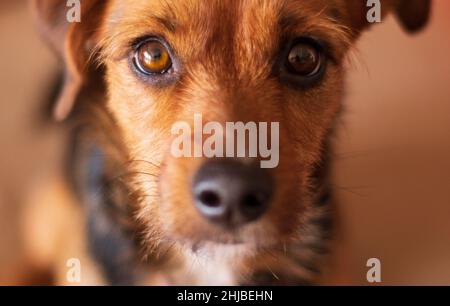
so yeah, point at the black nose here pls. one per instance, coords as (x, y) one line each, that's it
(231, 193)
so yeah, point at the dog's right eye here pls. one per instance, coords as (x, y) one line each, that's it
(152, 57)
(303, 62)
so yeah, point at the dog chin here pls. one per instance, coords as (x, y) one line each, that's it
(211, 263)
(220, 251)
(227, 247)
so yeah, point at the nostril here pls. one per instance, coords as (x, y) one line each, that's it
(209, 198)
(253, 205)
(231, 193)
(252, 200)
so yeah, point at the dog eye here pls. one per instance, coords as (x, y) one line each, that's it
(303, 62)
(304, 59)
(152, 57)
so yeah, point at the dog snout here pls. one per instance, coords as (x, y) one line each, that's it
(231, 193)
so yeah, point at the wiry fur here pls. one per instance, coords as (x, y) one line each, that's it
(228, 50)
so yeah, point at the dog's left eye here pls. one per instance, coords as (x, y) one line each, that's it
(152, 57)
(304, 59)
(303, 62)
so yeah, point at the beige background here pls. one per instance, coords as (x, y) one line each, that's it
(392, 171)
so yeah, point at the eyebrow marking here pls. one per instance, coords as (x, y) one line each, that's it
(292, 17)
(169, 23)
(320, 24)
(289, 20)
(335, 13)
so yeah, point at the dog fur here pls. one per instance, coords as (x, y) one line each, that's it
(142, 227)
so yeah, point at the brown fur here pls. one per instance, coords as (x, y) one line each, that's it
(227, 50)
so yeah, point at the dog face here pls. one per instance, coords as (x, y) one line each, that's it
(230, 61)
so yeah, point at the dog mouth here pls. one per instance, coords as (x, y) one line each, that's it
(236, 242)
(223, 202)
(231, 248)
(241, 239)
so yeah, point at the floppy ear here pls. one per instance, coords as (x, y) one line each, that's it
(71, 41)
(412, 14)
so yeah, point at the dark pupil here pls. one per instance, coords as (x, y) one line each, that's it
(303, 60)
(153, 54)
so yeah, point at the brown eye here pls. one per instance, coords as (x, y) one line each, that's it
(304, 60)
(152, 57)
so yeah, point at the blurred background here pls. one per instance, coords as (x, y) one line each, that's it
(392, 165)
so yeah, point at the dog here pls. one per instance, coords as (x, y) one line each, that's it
(133, 68)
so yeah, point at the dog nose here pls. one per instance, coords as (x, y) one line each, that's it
(231, 193)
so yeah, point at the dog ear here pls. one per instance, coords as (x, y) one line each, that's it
(70, 38)
(412, 14)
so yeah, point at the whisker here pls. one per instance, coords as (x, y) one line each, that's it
(169, 248)
(271, 271)
(142, 161)
(128, 173)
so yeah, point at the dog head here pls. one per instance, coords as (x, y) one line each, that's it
(275, 61)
